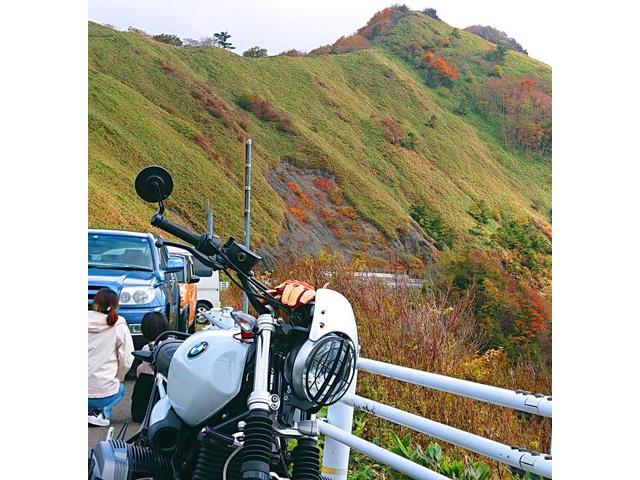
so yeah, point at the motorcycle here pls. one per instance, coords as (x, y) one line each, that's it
(228, 401)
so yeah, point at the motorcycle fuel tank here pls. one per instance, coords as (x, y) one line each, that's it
(205, 374)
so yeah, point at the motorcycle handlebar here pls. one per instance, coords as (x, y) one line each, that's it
(168, 226)
(235, 255)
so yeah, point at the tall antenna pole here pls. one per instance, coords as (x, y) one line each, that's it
(209, 218)
(247, 208)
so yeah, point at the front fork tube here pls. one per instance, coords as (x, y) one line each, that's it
(260, 397)
(258, 431)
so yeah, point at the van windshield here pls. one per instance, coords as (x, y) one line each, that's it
(119, 252)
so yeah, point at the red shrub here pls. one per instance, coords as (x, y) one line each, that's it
(380, 23)
(350, 43)
(299, 213)
(392, 134)
(440, 65)
(324, 213)
(294, 187)
(324, 183)
(265, 111)
(304, 199)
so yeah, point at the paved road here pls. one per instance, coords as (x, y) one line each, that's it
(120, 414)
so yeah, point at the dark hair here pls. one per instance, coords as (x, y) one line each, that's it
(107, 301)
(153, 324)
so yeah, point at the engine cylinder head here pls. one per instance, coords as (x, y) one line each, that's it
(117, 460)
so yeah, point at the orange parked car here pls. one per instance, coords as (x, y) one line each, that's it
(187, 281)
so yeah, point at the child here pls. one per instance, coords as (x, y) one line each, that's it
(153, 324)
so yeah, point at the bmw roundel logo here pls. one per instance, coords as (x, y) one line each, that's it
(197, 349)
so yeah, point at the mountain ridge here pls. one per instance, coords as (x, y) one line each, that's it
(368, 120)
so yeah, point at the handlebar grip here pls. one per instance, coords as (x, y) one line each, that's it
(168, 226)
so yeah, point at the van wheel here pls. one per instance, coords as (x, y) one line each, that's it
(200, 307)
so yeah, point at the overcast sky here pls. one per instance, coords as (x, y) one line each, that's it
(304, 25)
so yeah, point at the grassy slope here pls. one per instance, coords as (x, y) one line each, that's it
(142, 111)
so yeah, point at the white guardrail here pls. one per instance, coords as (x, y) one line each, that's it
(339, 440)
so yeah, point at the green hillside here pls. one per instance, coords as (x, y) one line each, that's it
(344, 144)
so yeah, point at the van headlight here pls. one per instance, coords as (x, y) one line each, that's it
(323, 370)
(137, 295)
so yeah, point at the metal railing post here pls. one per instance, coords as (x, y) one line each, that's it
(335, 456)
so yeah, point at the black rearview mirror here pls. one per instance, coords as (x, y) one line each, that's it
(154, 184)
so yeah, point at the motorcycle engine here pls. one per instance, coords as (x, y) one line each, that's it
(117, 460)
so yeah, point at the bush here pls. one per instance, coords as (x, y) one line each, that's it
(168, 39)
(265, 111)
(138, 31)
(409, 141)
(380, 23)
(255, 52)
(392, 133)
(497, 55)
(292, 53)
(431, 12)
(432, 224)
(323, 50)
(190, 42)
(299, 214)
(496, 36)
(463, 107)
(348, 212)
(350, 44)
(438, 71)
(480, 212)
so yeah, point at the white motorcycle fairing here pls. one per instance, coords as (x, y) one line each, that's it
(206, 374)
(333, 314)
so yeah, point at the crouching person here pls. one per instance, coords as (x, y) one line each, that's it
(110, 347)
(153, 324)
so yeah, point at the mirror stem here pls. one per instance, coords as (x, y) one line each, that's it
(160, 202)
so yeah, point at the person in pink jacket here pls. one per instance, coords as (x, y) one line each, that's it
(110, 347)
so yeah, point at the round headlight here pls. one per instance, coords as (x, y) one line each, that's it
(323, 370)
(137, 295)
(140, 296)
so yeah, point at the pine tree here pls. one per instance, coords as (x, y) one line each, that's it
(220, 40)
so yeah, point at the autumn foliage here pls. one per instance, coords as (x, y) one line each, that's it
(438, 69)
(264, 110)
(298, 213)
(380, 23)
(350, 43)
(437, 333)
(511, 287)
(522, 109)
(302, 196)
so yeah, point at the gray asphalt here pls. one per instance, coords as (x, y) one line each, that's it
(121, 413)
